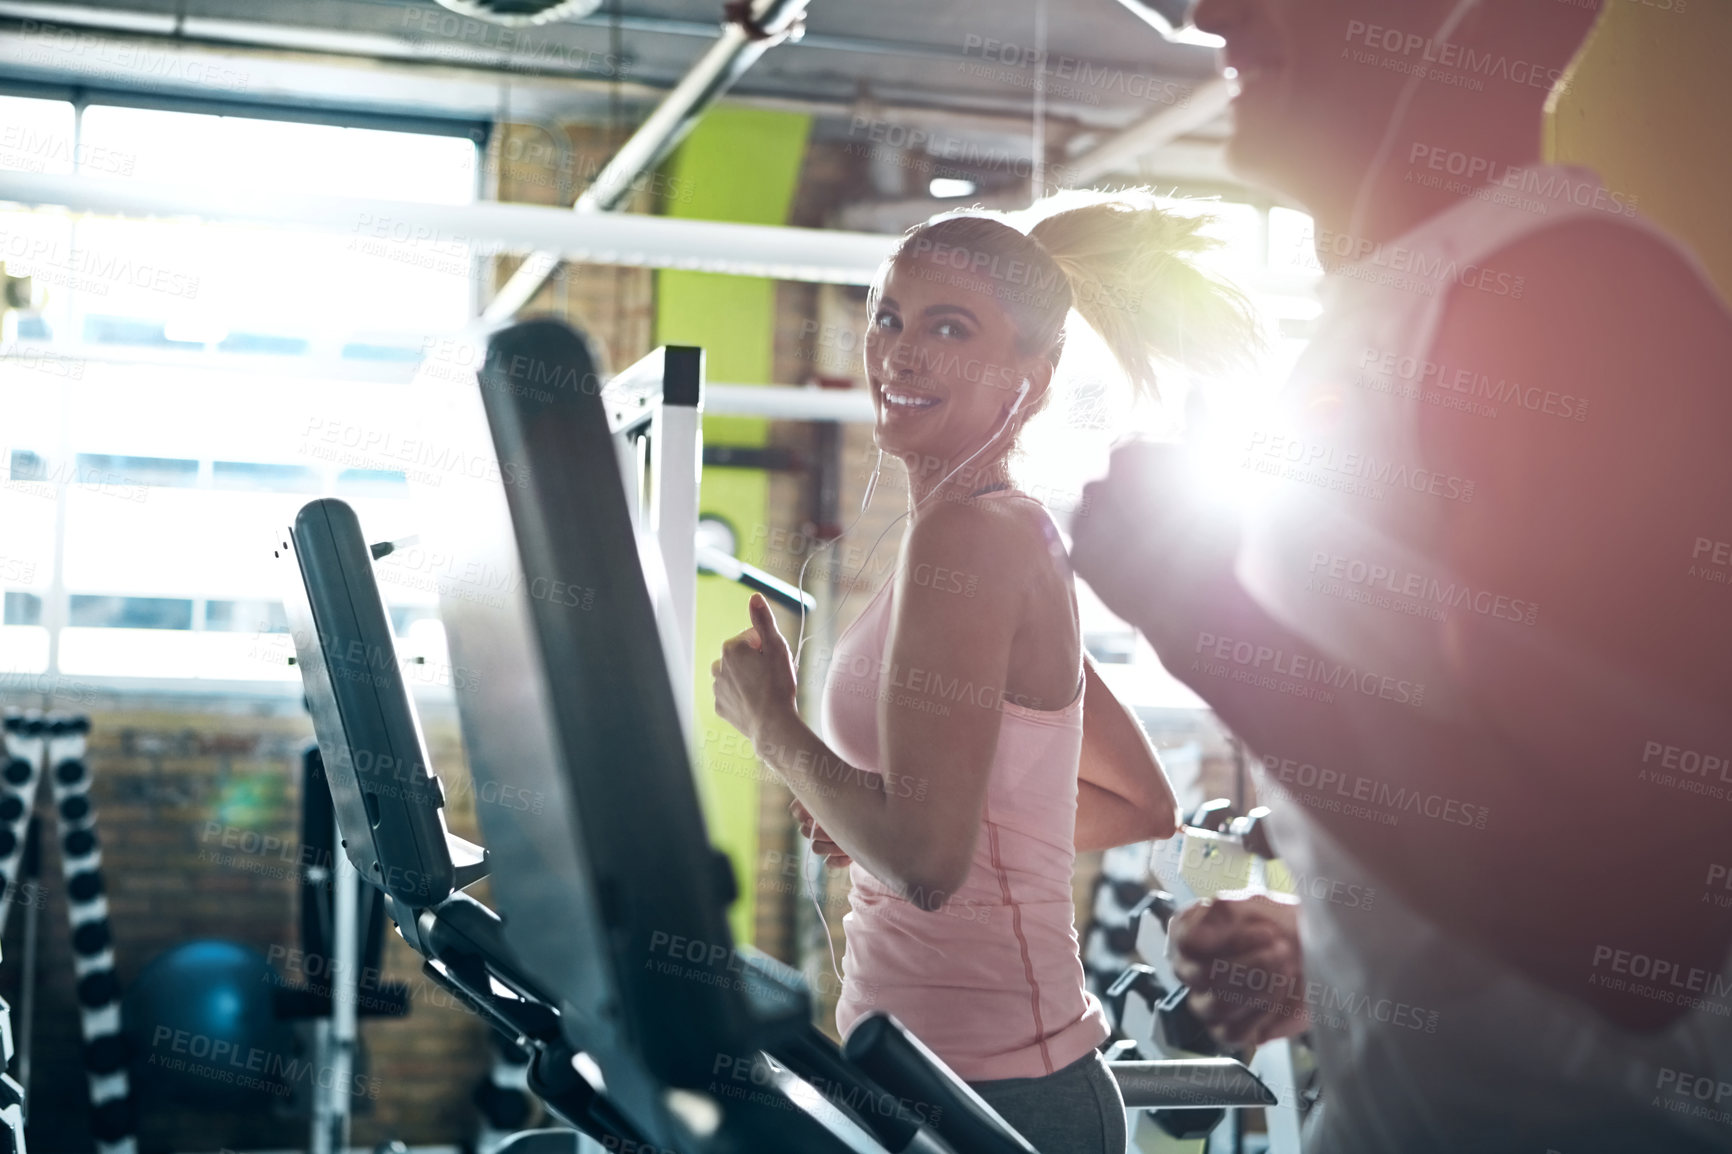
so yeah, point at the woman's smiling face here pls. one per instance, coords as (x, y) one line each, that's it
(944, 363)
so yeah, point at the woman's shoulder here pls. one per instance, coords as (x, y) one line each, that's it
(994, 519)
(1005, 534)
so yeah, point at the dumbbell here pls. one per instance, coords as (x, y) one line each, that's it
(1143, 1006)
(1143, 996)
(1176, 1028)
(1251, 829)
(1252, 832)
(1146, 1006)
(1221, 852)
(1212, 815)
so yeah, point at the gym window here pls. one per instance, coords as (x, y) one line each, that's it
(171, 389)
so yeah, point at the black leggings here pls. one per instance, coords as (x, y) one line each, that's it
(1076, 1110)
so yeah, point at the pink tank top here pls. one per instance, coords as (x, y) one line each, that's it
(992, 981)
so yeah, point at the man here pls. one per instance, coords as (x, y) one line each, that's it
(1474, 627)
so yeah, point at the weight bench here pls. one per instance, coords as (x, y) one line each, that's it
(606, 953)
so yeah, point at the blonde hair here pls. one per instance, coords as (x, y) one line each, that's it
(1127, 266)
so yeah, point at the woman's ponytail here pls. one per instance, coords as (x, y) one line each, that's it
(1133, 277)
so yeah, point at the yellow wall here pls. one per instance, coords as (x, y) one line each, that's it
(1649, 105)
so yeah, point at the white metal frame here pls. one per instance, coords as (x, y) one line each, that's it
(663, 484)
(336, 1038)
(676, 461)
(662, 487)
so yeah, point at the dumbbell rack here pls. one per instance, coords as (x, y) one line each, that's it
(1148, 1005)
(1217, 852)
(53, 745)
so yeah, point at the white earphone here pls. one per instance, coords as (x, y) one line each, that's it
(1021, 392)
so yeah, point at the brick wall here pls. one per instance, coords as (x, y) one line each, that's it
(553, 164)
(186, 792)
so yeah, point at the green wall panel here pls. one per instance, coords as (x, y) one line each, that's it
(738, 165)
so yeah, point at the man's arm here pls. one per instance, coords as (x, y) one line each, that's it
(1594, 520)
(1160, 553)
(1597, 520)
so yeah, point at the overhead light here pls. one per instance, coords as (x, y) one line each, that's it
(523, 11)
(195, 330)
(1194, 35)
(948, 187)
(1173, 20)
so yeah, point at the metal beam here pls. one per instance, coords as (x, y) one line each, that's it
(809, 255)
(1165, 16)
(342, 70)
(790, 403)
(739, 47)
(1121, 151)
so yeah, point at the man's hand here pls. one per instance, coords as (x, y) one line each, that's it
(1240, 957)
(1153, 535)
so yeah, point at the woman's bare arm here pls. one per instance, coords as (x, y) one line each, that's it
(1105, 820)
(1123, 795)
(948, 655)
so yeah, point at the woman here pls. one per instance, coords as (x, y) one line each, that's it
(959, 777)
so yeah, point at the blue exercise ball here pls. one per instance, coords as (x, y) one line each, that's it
(203, 1029)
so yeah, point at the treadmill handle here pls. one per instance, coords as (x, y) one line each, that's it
(714, 561)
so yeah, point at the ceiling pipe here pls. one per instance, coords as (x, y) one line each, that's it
(1123, 150)
(1168, 17)
(668, 26)
(379, 55)
(195, 26)
(751, 31)
(434, 59)
(629, 239)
